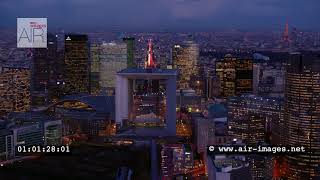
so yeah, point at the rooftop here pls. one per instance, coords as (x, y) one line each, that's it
(148, 71)
(101, 104)
(228, 164)
(144, 132)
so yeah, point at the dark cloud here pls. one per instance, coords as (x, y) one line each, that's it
(164, 14)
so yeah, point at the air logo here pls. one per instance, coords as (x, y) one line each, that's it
(32, 32)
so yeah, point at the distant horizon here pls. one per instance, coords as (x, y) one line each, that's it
(165, 15)
(119, 30)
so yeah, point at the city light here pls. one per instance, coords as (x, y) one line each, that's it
(155, 90)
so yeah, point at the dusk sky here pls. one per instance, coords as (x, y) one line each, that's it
(172, 15)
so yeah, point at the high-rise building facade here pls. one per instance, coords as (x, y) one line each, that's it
(250, 117)
(225, 71)
(204, 132)
(113, 58)
(151, 60)
(302, 114)
(185, 59)
(256, 71)
(94, 68)
(46, 69)
(130, 51)
(76, 64)
(244, 75)
(14, 90)
(235, 74)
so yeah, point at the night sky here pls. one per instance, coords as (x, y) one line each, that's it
(156, 15)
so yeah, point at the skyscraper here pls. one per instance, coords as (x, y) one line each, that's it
(130, 51)
(95, 68)
(244, 75)
(113, 58)
(76, 64)
(302, 113)
(185, 59)
(45, 72)
(235, 74)
(14, 90)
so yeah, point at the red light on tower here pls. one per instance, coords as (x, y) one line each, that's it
(150, 59)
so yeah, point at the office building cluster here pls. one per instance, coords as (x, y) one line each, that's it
(170, 98)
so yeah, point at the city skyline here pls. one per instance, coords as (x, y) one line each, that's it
(168, 89)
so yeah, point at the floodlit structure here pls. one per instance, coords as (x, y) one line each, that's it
(76, 64)
(146, 100)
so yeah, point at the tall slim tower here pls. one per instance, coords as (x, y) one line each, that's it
(151, 61)
(76, 64)
(302, 114)
(45, 71)
(184, 59)
(130, 51)
(113, 58)
(94, 68)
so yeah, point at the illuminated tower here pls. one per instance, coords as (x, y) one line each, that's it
(76, 64)
(150, 63)
(185, 59)
(94, 68)
(14, 90)
(301, 114)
